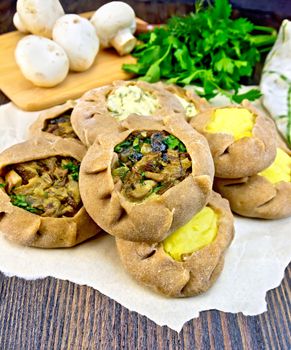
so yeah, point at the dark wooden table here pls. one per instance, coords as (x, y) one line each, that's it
(55, 314)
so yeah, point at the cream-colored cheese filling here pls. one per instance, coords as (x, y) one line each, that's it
(189, 107)
(131, 99)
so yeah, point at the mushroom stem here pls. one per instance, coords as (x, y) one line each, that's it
(123, 42)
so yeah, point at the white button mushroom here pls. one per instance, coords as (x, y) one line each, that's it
(115, 24)
(78, 38)
(39, 16)
(41, 60)
(19, 25)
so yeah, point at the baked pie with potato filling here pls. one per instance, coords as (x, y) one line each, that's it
(242, 139)
(266, 195)
(190, 259)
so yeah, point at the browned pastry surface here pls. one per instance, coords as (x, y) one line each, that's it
(91, 116)
(158, 215)
(255, 196)
(149, 264)
(36, 225)
(55, 122)
(200, 104)
(246, 156)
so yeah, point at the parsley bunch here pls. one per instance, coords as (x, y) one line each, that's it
(206, 48)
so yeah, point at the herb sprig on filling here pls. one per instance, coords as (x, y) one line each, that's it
(150, 162)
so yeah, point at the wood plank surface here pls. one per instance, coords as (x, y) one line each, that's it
(54, 314)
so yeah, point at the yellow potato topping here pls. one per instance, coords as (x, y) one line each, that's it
(280, 169)
(238, 122)
(126, 100)
(200, 231)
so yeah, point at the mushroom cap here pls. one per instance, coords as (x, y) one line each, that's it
(41, 60)
(39, 16)
(110, 18)
(77, 36)
(18, 24)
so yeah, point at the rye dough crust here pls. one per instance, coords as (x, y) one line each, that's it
(150, 265)
(156, 217)
(246, 156)
(26, 228)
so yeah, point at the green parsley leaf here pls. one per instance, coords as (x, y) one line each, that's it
(251, 95)
(73, 170)
(20, 201)
(206, 48)
(122, 146)
(173, 143)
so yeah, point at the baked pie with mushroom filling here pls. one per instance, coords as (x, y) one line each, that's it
(146, 181)
(40, 201)
(242, 140)
(56, 122)
(266, 195)
(188, 261)
(103, 109)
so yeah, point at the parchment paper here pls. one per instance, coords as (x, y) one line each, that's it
(254, 263)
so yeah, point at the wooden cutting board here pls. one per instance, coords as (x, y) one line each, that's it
(29, 97)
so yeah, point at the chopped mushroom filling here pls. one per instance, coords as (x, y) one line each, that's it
(47, 187)
(150, 162)
(61, 126)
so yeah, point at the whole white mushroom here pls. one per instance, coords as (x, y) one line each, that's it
(77, 36)
(19, 25)
(115, 24)
(39, 16)
(41, 60)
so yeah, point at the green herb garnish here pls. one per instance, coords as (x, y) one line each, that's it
(20, 201)
(136, 145)
(173, 143)
(2, 185)
(206, 48)
(73, 170)
(157, 188)
(122, 146)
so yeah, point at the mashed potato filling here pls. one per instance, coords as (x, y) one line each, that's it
(189, 107)
(131, 99)
(280, 169)
(238, 122)
(200, 231)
